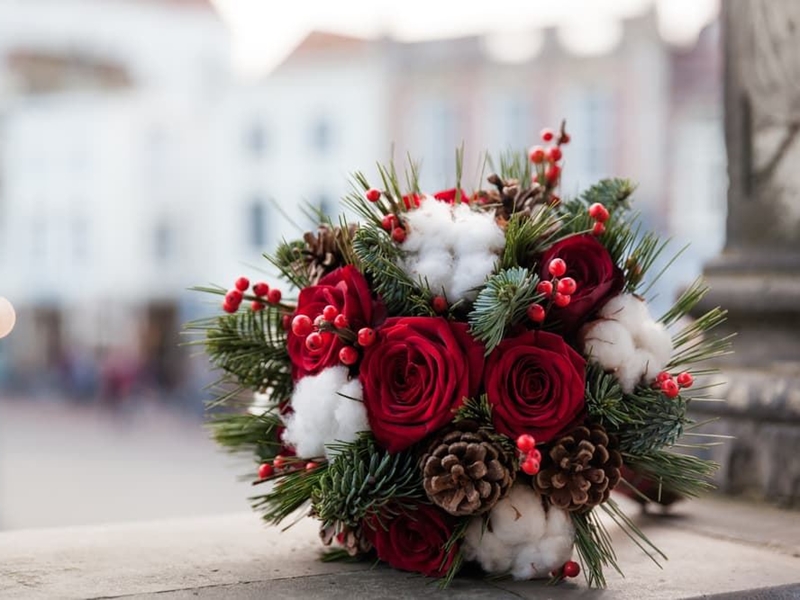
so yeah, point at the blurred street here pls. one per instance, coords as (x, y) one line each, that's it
(63, 465)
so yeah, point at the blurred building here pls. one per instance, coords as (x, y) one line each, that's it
(133, 165)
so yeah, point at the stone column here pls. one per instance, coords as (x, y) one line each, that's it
(757, 276)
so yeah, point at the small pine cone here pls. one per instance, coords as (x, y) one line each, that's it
(580, 470)
(511, 198)
(323, 250)
(465, 472)
(350, 538)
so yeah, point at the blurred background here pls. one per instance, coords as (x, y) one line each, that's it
(150, 145)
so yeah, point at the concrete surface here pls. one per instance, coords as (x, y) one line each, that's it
(714, 547)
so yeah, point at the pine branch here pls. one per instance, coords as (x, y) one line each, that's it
(594, 547)
(501, 304)
(613, 510)
(513, 165)
(686, 302)
(527, 237)
(363, 479)
(458, 534)
(682, 473)
(247, 433)
(290, 493)
(479, 410)
(288, 259)
(249, 347)
(380, 258)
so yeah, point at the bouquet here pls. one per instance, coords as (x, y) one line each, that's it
(465, 376)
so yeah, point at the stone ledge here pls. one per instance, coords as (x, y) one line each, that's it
(714, 547)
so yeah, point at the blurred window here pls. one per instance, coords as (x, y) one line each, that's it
(325, 205)
(80, 239)
(38, 239)
(257, 217)
(164, 241)
(593, 128)
(322, 135)
(256, 139)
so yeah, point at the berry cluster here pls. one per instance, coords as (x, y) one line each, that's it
(671, 386)
(331, 321)
(390, 222)
(280, 465)
(600, 214)
(530, 457)
(546, 160)
(262, 294)
(557, 291)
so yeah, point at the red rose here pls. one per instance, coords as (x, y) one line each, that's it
(347, 290)
(418, 371)
(598, 278)
(414, 540)
(449, 196)
(535, 383)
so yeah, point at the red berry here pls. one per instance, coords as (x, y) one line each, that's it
(329, 312)
(366, 336)
(348, 355)
(571, 569)
(274, 296)
(229, 308)
(399, 235)
(685, 379)
(545, 288)
(561, 300)
(599, 212)
(526, 443)
(314, 341)
(553, 173)
(670, 388)
(389, 222)
(260, 289)
(535, 455)
(256, 306)
(234, 297)
(373, 195)
(265, 470)
(598, 229)
(286, 320)
(564, 139)
(557, 267)
(663, 376)
(311, 465)
(340, 322)
(567, 286)
(547, 135)
(319, 321)
(536, 155)
(530, 466)
(242, 284)
(302, 325)
(536, 313)
(279, 462)
(554, 200)
(554, 153)
(439, 304)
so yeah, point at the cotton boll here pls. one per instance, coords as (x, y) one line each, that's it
(435, 267)
(628, 310)
(518, 518)
(483, 546)
(321, 415)
(477, 231)
(470, 272)
(607, 343)
(655, 338)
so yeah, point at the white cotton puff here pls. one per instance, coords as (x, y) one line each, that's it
(453, 247)
(327, 408)
(650, 346)
(608, 343)
(521, 537)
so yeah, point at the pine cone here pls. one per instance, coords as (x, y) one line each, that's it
(511, 198)
(465, 471)
(580, 470)
(350, 538)
(323, 250)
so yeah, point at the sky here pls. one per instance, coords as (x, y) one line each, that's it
(265, 31)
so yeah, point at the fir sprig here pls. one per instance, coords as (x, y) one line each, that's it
(249, 347)
(682, 473)
(380, 258)
(526, 237)
(247, 433)
(479, 410)
(290, 493)
(501, 304)
(363, 479)
(594, 547)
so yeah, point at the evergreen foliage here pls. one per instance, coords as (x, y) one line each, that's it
(501, 304)
(362, 480)
(247, 433)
